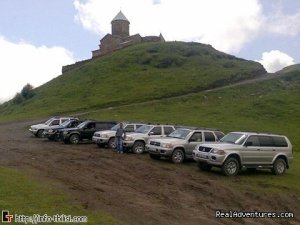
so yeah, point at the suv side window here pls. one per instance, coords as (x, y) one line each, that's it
(252, 141)
(265, 141)
(196, 137)
(129, 128)
(279, 141)
(64, 120)
(168, 130)
(209, 137)
(156, 130)
(55, 122)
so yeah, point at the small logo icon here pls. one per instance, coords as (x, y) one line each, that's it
(6, 217)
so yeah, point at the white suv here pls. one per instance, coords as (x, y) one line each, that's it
(107, 137)
(138, 139)
(246, 149)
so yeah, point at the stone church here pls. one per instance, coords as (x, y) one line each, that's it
(120, 37)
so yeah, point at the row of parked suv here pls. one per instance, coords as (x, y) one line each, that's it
(208, 147)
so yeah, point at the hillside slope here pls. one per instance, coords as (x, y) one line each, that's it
(270, 105)
(136, 74)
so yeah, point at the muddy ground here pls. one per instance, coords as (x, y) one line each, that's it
(134, 188)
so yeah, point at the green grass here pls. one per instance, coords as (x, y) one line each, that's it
(135, 74)
(21, 194)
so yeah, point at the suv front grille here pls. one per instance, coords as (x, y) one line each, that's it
(154, 143)
(204, 149)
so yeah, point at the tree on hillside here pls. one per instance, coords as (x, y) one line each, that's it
(27, 92)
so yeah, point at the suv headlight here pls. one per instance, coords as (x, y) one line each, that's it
(166, 145)
(103, 135)
(129, 138)
(218, 152)
(50, 131)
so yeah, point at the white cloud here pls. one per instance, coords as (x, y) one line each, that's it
(23, 63)
(275, 60)
(282, 23)
(227, 25)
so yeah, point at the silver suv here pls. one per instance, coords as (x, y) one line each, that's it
(38, 129)
(138, 139)
(179, 145)
(107, 137)
(246, 149)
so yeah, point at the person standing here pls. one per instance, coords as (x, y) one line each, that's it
(120, 135)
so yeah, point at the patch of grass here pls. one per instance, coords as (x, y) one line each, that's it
(21, 194)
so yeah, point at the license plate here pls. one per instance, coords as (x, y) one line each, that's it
(203, 156)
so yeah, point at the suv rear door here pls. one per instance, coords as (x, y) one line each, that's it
(268, 149)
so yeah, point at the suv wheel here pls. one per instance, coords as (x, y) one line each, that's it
(177, 156)
(204, 166)
(40, 133)
(112, 143)
(231, 167)
(74, 139)
(138, 147)
(279, 166)
(153, 156)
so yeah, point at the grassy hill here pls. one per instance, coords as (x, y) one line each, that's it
(136, 74)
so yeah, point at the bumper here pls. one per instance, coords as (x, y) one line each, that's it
(33, 131)
(209, 158)
(156, 150)
(100, 140)
(128, 144)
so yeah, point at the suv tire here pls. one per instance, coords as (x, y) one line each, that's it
(112, 143)
(40, 133)
(74, 139)
(231, 167)
(279, 166)
(138, 147)
(204, 166)
(153, 156)
(177, 156)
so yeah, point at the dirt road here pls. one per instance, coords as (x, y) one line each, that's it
(134, 188)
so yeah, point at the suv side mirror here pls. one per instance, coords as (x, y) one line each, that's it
(150, 133)
(248, 143)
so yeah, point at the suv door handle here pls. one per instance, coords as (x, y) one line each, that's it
(258, 149)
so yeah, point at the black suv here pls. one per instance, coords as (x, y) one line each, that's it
(84, 131)
(53, 133)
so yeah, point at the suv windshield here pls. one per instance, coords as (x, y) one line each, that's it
(234, 138)
(117, 126)
(143, 129)
(66, 123)
(82, 124)
(49, 121)
(180, 133)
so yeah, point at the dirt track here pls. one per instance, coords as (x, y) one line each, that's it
(134, 188)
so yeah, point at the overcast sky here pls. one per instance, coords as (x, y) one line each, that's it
(38, 37)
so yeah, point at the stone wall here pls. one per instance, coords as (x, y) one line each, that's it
(75, 65)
